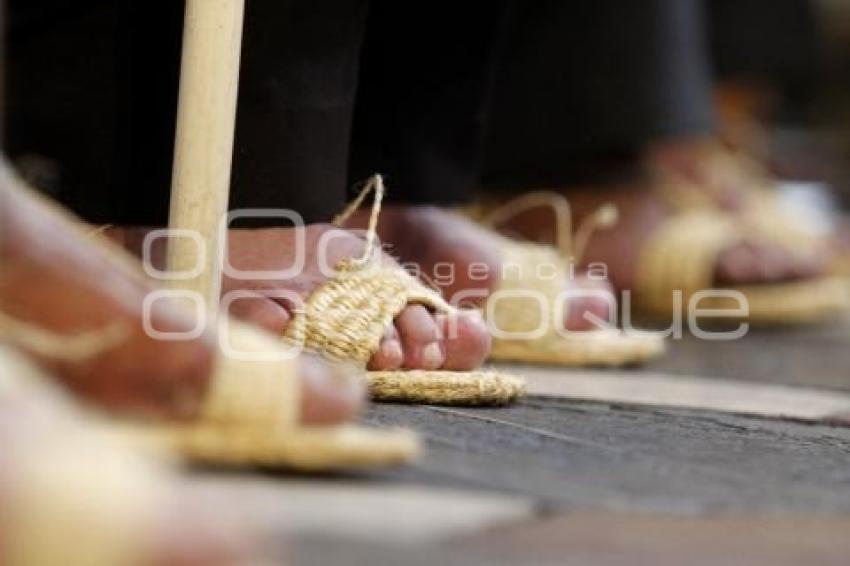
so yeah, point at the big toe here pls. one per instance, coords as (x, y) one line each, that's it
(466, 340)
(421, 339)
(590, 304)
(390, 355)
(330, 393)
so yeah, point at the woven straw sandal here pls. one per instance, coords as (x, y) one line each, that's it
(512, 314)
(250, 415)
(346, 318)
(250, 418)
(681, 255)
(761, 210)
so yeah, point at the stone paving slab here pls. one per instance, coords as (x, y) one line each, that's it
(681, 478)
(593, 539)
(627, 458)
(687, 391)
(634, 540)
(357, 509)
(816, 356)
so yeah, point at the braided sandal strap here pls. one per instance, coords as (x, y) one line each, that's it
(512, 308)
(346, 318)
(250, 393)
(681, 255)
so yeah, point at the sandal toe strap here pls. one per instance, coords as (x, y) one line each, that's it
(530, 282)
(681, 255)
(346, 318)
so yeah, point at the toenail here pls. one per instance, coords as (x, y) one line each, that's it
(392, 349)
(432, 356)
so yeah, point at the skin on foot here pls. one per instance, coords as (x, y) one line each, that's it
(54, 278)
(462, 257)
(418, 339)
(746, 263)
(718, 171)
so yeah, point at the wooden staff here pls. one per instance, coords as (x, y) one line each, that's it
(203, 153)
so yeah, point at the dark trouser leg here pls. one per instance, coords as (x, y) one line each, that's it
(774, 44)
(588, 79)
(93, 85)
(775, 41)
(299, 77)
(59, 104)
(421, 98)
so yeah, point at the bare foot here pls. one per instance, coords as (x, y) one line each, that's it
(54, 279)
(418, 339)
(732, 181)
(749, 262)
(462, 257)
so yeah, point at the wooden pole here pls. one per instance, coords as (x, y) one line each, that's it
(203, 153)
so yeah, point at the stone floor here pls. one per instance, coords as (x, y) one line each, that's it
(559, 480)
